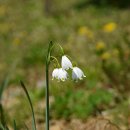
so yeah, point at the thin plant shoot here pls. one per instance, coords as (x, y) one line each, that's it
(59, 73)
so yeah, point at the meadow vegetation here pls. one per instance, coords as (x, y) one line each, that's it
(97, 37)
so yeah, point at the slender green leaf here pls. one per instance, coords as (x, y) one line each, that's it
(30, 102)
(15, 127)
(2, 87)
(3, 127)
(2, 118)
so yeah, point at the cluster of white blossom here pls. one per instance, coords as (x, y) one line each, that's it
(61, 73)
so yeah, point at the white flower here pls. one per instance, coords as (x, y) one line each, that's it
(66, 63)
(55, 73)
(77, 73)
(62, 74)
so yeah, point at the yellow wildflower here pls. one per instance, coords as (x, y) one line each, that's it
(16, 41)
(109, 27)
(105, 56)
(100, 45)
(84, 31)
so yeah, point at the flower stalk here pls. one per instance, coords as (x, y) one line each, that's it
(60, 73)
(47, 84)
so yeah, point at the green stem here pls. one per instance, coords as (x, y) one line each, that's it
(47, 85)
(47, 97)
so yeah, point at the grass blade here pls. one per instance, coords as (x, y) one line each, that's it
(2, 87)
(15, 127)
(2, 118)
(30, 102)
(2, 127)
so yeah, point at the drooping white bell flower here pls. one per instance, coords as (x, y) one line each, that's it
(77, 73)
(55, 73)
(66, 63)
(62, 74)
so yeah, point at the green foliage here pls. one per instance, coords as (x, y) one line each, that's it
(25, 34)
(37, 94)
(115, 61)
(99, 98)
(35, 55)
(93, 76)
(30, 103)
(80, 103)
(15, 127)
(20, 115)
(3, 123)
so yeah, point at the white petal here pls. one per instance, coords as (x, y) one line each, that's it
(66, 63)
(55, 73)
(62, 75)
(74, 76)
(77, 73)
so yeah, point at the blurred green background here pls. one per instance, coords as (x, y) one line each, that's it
(95, 33)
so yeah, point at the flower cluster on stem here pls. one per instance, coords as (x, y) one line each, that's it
(61, 73)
